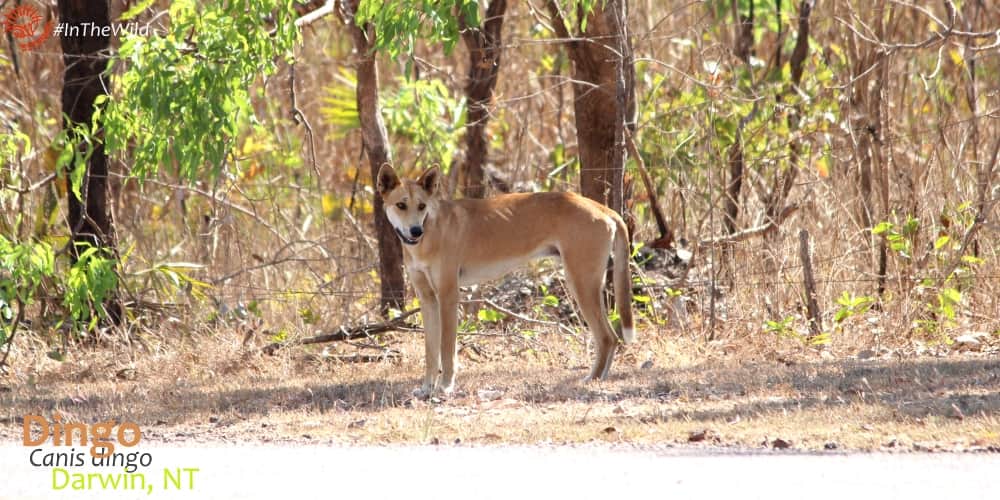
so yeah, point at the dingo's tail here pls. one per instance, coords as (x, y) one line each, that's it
(623, 281)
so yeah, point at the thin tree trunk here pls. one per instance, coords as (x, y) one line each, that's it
(868, 122)
(743, 49)
(86, 59)
(972, 98)
(809, 282)
(376, 145)
(880, 152)
(603, 87)
(485, 47)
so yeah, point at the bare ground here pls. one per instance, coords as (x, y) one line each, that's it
(665, 391)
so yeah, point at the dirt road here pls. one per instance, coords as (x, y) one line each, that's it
(449, 471)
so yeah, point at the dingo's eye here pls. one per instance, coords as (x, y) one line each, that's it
(421, 207)
(401, 206)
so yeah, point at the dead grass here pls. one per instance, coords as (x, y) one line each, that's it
(210, 389)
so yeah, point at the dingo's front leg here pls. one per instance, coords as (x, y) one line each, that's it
(448, 305)
(429, 311)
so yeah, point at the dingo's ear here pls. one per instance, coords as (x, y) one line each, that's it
(387, 180)
(429, 179)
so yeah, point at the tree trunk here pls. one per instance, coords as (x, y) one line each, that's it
(743, 48)
(484, 44)
(86, 59)
(375, 140)
(603, 87)
(869, 75)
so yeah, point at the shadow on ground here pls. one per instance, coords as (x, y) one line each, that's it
(917, 388)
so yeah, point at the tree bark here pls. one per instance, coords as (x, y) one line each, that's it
(485, 47)
(603, 87)
(86, 59)
(743, 47)
(868, 123)
(809, 282)
(375, 141)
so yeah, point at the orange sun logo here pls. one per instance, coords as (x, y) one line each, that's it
(24, 23)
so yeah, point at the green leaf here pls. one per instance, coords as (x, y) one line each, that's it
(489, 315)
(882, 228)
(941, 241)
(951, 296)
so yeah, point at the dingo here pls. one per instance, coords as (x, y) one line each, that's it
(448, 244)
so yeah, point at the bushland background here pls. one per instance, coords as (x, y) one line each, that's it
(812, 192)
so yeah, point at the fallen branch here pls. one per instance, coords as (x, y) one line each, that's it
(751, 232)
(391, 355)
(522, 317)
(343, 333)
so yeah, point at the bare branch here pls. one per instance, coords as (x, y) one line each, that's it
(559, 22)
(344, 333)
(325, 10)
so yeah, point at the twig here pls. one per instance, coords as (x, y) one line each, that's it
(751, 232)
(300, 118)
(936, 37)
(27, 190)
(521, 317)
(985, 207)
(388, 355)
(215, 198)
(654, 201)
(343, 333)
(325, 10)
(13, 333)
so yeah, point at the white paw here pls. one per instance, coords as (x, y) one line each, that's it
(628, 335)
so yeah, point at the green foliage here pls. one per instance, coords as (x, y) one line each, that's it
(170, 277)
(183, 97)
(899, 237)
(13, 144)
(782, 328)
(851, 305)
(420, 111)
(75, 146)
(340, 106)
(399, 24)
(424, 112)
(89, 282)
(943, 293)
(490, 315)
(576, 12)
(23, 266)
(690, 129)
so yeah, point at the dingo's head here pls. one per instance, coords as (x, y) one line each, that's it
(407, 203)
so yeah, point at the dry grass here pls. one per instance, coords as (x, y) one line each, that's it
(522, 391)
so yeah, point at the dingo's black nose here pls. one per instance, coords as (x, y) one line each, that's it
(416, 231)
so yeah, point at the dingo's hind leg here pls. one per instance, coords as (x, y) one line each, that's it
(585, 274)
